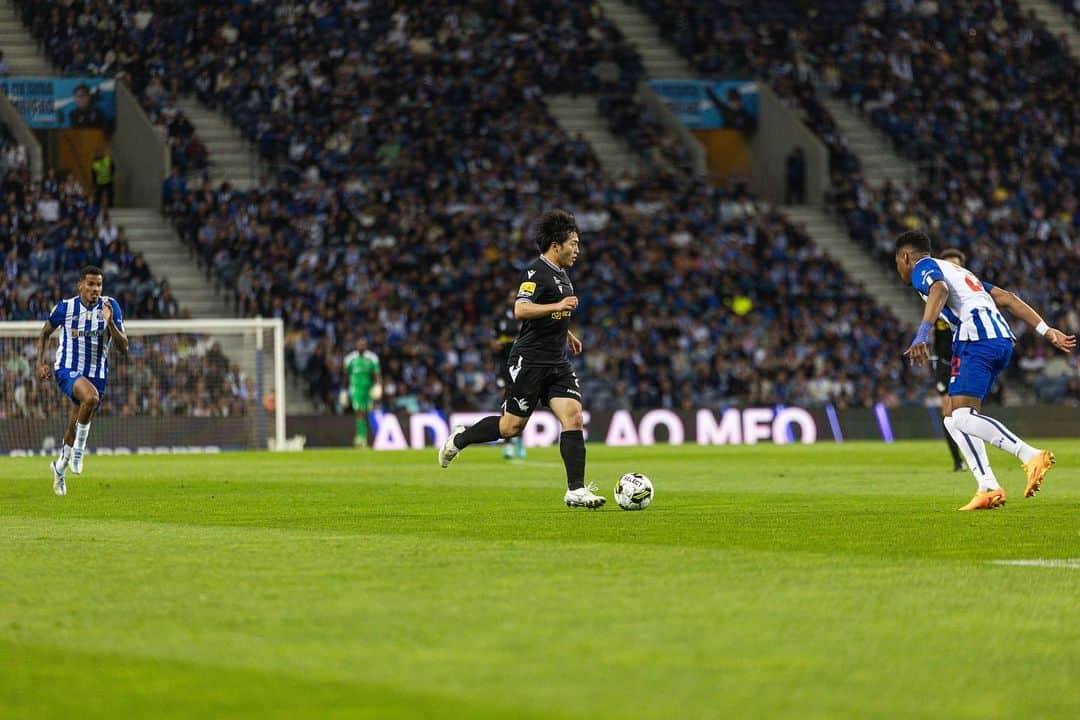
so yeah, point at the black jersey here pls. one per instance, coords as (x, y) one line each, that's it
(543, 341)
(943, 341)
(506, 327)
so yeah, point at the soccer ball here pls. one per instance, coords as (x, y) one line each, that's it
(634, 491)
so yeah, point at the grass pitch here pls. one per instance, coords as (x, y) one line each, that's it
(803, 582)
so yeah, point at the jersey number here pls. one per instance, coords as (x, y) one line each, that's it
(973, 282)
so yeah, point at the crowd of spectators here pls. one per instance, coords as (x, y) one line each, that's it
(707, 299)
(629, 118)
(48, 231)
(280, 93)
(981, 95)
(977, 94)
(765, 39)
(413, 227)
(187, 152)
(411, 148)
(142, 43)
(162, 375)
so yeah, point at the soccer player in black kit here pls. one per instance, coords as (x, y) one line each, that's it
(539, 368)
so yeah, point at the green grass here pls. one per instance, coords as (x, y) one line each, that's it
(803, 582)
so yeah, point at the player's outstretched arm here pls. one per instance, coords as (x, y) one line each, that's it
(47, 330)
(118, 336)
(1011, 301)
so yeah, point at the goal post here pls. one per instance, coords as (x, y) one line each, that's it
(185, 386)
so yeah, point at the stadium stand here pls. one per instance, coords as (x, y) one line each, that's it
(762, 39)
(48, 231)
(331, 258)
(370, 222)
(976, 93)
(999, 128)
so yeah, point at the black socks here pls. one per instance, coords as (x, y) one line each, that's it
(572, 446)
(485, 431)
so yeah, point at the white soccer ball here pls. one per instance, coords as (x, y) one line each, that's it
(634, 491)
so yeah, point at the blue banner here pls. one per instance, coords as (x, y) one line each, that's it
(62, 102)
(704, 104)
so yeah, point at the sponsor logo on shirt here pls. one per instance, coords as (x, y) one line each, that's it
(78, 333)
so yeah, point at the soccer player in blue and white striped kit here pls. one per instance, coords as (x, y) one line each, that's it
(89, 324)
(982, 348)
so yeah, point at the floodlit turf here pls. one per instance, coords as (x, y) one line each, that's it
(802, 582)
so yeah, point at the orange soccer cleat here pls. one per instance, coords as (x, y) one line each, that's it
(986, 500)
(1036, 470)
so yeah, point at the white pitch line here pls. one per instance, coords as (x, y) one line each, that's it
(1070, 563)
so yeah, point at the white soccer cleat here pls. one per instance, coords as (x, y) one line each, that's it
(75, 463)
(58, 485)
(449, 450)
(585, 497)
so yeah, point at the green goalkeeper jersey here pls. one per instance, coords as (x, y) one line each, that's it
(362, 368)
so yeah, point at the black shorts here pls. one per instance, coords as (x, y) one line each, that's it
(943, 374)
(538, 384)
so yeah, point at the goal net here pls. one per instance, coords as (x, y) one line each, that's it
(184, 386)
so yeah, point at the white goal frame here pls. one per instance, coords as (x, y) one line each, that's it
(257, 325)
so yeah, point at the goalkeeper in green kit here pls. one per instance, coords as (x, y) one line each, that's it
(362, 368)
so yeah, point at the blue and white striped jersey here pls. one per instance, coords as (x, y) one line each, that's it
(969, 308)
(84, 337)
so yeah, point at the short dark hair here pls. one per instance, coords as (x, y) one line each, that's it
(917, 240)
(553, 227)
(90, 270)
(953, 253)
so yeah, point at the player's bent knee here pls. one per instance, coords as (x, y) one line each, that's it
(574, 422)
(511, 425)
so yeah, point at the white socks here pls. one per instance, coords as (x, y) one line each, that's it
(974, 451)
(65, 456)
(77, 450)
(81, 431)
(969, 422)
